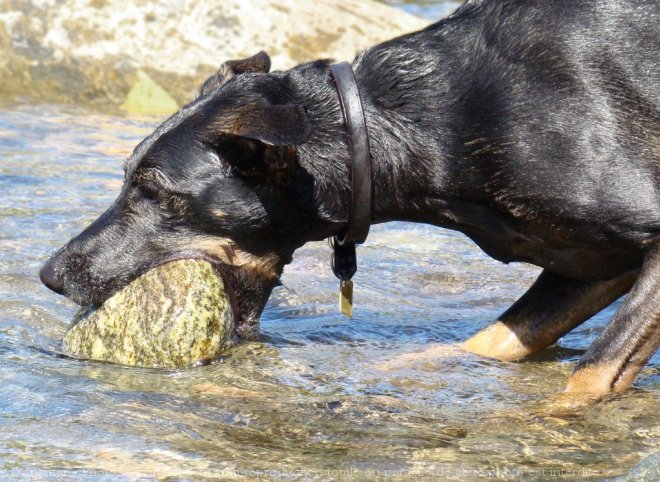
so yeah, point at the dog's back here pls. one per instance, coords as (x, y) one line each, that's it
(548, 111)
(571, 90)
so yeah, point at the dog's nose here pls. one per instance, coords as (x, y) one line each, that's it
(50, 278)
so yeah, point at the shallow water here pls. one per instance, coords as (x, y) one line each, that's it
(319, 398)
(313, 397)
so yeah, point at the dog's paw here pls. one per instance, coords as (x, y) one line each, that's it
(419, 359)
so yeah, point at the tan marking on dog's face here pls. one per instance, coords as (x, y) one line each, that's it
(219, 214)
(227, 251)
(497, 341)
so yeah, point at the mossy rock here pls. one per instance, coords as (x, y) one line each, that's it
(175, 315)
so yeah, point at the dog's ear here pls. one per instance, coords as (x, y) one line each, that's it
(271, 124)
(261, 138)
(259, 63)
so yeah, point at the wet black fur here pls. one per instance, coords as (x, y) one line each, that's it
(530, 125)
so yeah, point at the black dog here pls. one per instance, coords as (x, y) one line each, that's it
(531, 126)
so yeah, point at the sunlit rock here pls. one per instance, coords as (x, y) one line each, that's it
(175, 315)
(147, 97)
(91, 52)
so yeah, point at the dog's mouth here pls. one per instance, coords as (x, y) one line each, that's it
(246, 318)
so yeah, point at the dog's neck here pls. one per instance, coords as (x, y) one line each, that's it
(405, 174)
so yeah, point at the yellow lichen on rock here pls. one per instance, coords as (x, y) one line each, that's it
(175, 315)
(147, 97)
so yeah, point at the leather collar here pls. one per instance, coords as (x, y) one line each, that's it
(359, 218)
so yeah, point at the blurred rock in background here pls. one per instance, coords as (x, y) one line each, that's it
(147, 57)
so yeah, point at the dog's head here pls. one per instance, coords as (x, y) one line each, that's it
(213, 182)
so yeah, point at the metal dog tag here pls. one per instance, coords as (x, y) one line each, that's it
(346, 297)
(344, 266)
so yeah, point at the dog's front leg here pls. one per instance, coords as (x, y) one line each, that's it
(629, 340)
(552, 307)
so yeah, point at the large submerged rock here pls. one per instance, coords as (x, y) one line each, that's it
(175, 315)
(108, 53)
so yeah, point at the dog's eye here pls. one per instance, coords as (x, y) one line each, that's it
(150, 191)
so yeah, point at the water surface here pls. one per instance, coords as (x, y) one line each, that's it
(312, 397)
